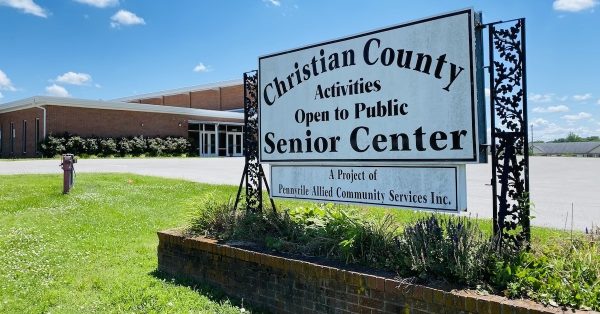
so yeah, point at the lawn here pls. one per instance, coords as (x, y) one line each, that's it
(95, 249)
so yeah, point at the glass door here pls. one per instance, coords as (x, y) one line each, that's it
(208, 144)
(234, 144)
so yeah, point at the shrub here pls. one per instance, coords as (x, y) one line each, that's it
(108, 147)
(76, 145)
(449, 247)
(136, 146)
(53, 146)
(564, 273)
(92, 146)
(124, 146)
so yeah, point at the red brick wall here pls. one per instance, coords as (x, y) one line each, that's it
(117, 123)
(225, 98)
(282, 285)
(207, 99)
(17, 118)
(150, 101)
(232, 97)
(113, 123)
(179, 100)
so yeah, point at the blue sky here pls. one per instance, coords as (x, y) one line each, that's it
(104, 49)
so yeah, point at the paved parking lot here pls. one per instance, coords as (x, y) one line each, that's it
(556, 182)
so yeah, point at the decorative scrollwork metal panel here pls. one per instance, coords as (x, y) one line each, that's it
(510, 148)
(253, 171)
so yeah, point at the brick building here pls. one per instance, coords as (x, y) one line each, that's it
(210, 116)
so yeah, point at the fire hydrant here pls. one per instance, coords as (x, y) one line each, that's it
(68, 166)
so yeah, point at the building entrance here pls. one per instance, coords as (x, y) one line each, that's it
(211, 139)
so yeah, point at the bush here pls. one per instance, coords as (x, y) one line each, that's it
(92, 146)
(448, 248)
(124, 147)
(53, 146)
(451, 247)
(565, 273)
(156, 146)
(108, 147)
(76, 145)
(136, 146)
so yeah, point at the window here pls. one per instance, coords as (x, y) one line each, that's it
(24, 139)
(12, 137)
(37, 135)
(0, 138)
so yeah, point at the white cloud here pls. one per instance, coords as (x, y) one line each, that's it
(598, 102)
(74, 78)
(539, 122)
(126, 18)
(551, 109)
(27, 6)
(575, 117)
(56, 90)
(550, 131)
(574, 5)
(276, 3)
(5, 83)
(583, 97)
(100, 3)
(1, 96)
(541, 97)
(202, 68)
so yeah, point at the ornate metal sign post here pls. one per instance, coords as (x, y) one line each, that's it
(253, 174)
(509, 147)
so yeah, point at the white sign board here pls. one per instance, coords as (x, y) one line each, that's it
(435, 188)
(405, 93)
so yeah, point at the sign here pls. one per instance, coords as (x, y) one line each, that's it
(436, 188)
(405, 93)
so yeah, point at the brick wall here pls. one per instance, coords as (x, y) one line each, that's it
(17, 118)
(225, 98)
(118, 123)
(282, 285)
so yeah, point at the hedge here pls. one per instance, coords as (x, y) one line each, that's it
(123, 146)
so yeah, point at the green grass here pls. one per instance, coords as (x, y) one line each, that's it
(95, 249)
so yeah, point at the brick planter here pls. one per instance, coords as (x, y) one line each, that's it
(283, 285)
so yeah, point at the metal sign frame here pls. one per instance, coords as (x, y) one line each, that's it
(509, 147)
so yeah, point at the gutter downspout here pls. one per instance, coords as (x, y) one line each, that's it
(44, 110)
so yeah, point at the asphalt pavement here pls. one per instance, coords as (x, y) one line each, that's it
(557, 183)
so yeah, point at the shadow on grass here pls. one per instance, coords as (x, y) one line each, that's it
(213, 294)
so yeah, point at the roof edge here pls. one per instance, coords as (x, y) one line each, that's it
(194, 88)
(37, 101)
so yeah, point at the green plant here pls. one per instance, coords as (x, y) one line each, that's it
(53, 146)
(124, 146)
(213, 218)
(108, 147)
(446, 247)
(564, 273)
(138, 145)
(76, 145)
